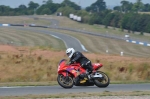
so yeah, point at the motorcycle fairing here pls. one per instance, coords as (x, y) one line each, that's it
(70, 69)
(96, 66)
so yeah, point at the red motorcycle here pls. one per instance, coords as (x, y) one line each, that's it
(67, 73)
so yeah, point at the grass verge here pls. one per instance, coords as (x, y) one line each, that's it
(81, 95)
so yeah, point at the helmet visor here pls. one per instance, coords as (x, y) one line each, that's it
(69, 53)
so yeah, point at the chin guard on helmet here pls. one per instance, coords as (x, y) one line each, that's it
(70, 52)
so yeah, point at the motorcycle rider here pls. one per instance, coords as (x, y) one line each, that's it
(76, 56)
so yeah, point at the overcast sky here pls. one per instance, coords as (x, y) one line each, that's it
(83, 3)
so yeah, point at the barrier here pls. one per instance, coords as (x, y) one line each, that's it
(138, 42)
(71, 16)
(4, 24)
(16, 25)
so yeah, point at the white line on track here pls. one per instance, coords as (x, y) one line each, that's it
(72, 37)
(60, 39)
(16, 87)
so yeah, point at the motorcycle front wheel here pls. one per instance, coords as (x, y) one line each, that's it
(102, 81)
(65, 81)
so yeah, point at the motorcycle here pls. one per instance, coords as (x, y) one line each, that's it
(67, 74)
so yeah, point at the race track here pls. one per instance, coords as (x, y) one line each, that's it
(43, 90)
(67, 39)
(69, 42)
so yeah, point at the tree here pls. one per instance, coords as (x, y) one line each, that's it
(138, 6)
(108, 19)
(49, 2)
(146, 7)
(126, 6)
(70, 4)
(116, 19)
(124, 21)
(66, 10)
(22, 7)
(4, 10)
(46, 11)
(95, 19)
(21, 10)
(82, 13)
(117, 8)
(33, 5)
(148, 28)
(132, 21)
(98, 6)
(143, 21)
(53, 7)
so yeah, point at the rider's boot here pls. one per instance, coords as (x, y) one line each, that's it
(83, 78)
(76, 80)
(88, 73)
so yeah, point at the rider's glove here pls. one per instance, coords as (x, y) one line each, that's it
(72, 61)
(82, 65)
(69, 63)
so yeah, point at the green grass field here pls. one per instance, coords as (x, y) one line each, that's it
(89, 95)
(27, 38)
(100, 44)
(114, 47)
(22, 20)
(92, 43)
(66, 22)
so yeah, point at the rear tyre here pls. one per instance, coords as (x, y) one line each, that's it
(65, 82)
(103, 81)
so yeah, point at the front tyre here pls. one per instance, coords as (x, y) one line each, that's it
(102, 81)
(65, 82)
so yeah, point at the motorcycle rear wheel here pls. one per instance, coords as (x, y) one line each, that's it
(64, 81)
(102, 82)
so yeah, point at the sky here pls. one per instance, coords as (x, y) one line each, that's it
(82, 3)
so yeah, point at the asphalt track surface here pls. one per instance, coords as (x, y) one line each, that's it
(68, 40)
(47, 90)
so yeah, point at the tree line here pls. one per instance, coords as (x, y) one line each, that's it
(126, 16)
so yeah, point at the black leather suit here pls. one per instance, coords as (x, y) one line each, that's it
(84, 62)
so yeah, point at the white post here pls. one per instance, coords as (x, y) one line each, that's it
(121, 53)
(107, 51)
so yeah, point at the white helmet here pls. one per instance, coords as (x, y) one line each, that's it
(70, 52)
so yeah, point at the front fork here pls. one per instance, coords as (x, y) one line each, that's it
(67, 77)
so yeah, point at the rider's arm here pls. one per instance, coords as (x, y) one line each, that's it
(78, 55)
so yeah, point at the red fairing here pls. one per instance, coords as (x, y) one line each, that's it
(73, 68)
(96, 66)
